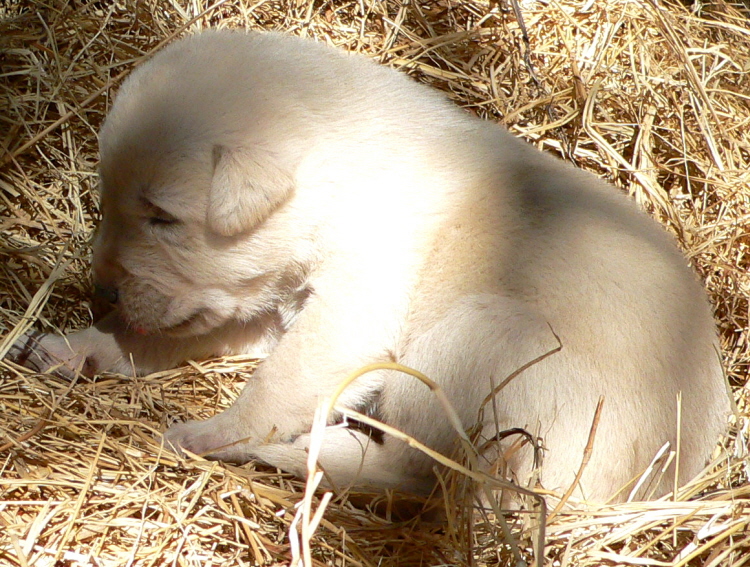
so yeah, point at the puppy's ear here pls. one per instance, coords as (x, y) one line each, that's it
(246, 187)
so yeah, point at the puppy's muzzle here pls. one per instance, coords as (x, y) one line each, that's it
(107, 294)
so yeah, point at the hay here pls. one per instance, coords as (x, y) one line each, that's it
(653, 97)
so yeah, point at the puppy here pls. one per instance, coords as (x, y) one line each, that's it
(263, 193)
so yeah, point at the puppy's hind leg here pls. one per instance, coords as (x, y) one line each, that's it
(454, 354)
(350, 459)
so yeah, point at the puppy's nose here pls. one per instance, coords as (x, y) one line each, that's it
(108, 294)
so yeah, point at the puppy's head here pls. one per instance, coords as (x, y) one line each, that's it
(195, 199)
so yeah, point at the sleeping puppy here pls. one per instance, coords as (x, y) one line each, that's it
(263, 193)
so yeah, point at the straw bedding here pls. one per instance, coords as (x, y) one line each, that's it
(653, 97)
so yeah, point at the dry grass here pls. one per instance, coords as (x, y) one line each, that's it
(654, 98)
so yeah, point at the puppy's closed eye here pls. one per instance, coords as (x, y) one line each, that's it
(162, 219)
(158, 217)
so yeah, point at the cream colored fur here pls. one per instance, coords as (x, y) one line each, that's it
(266, 193)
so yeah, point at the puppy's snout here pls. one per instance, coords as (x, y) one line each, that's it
(108, 273)
(108, 294)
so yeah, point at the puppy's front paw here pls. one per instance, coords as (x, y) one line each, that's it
(207, 439)
(45, 353)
